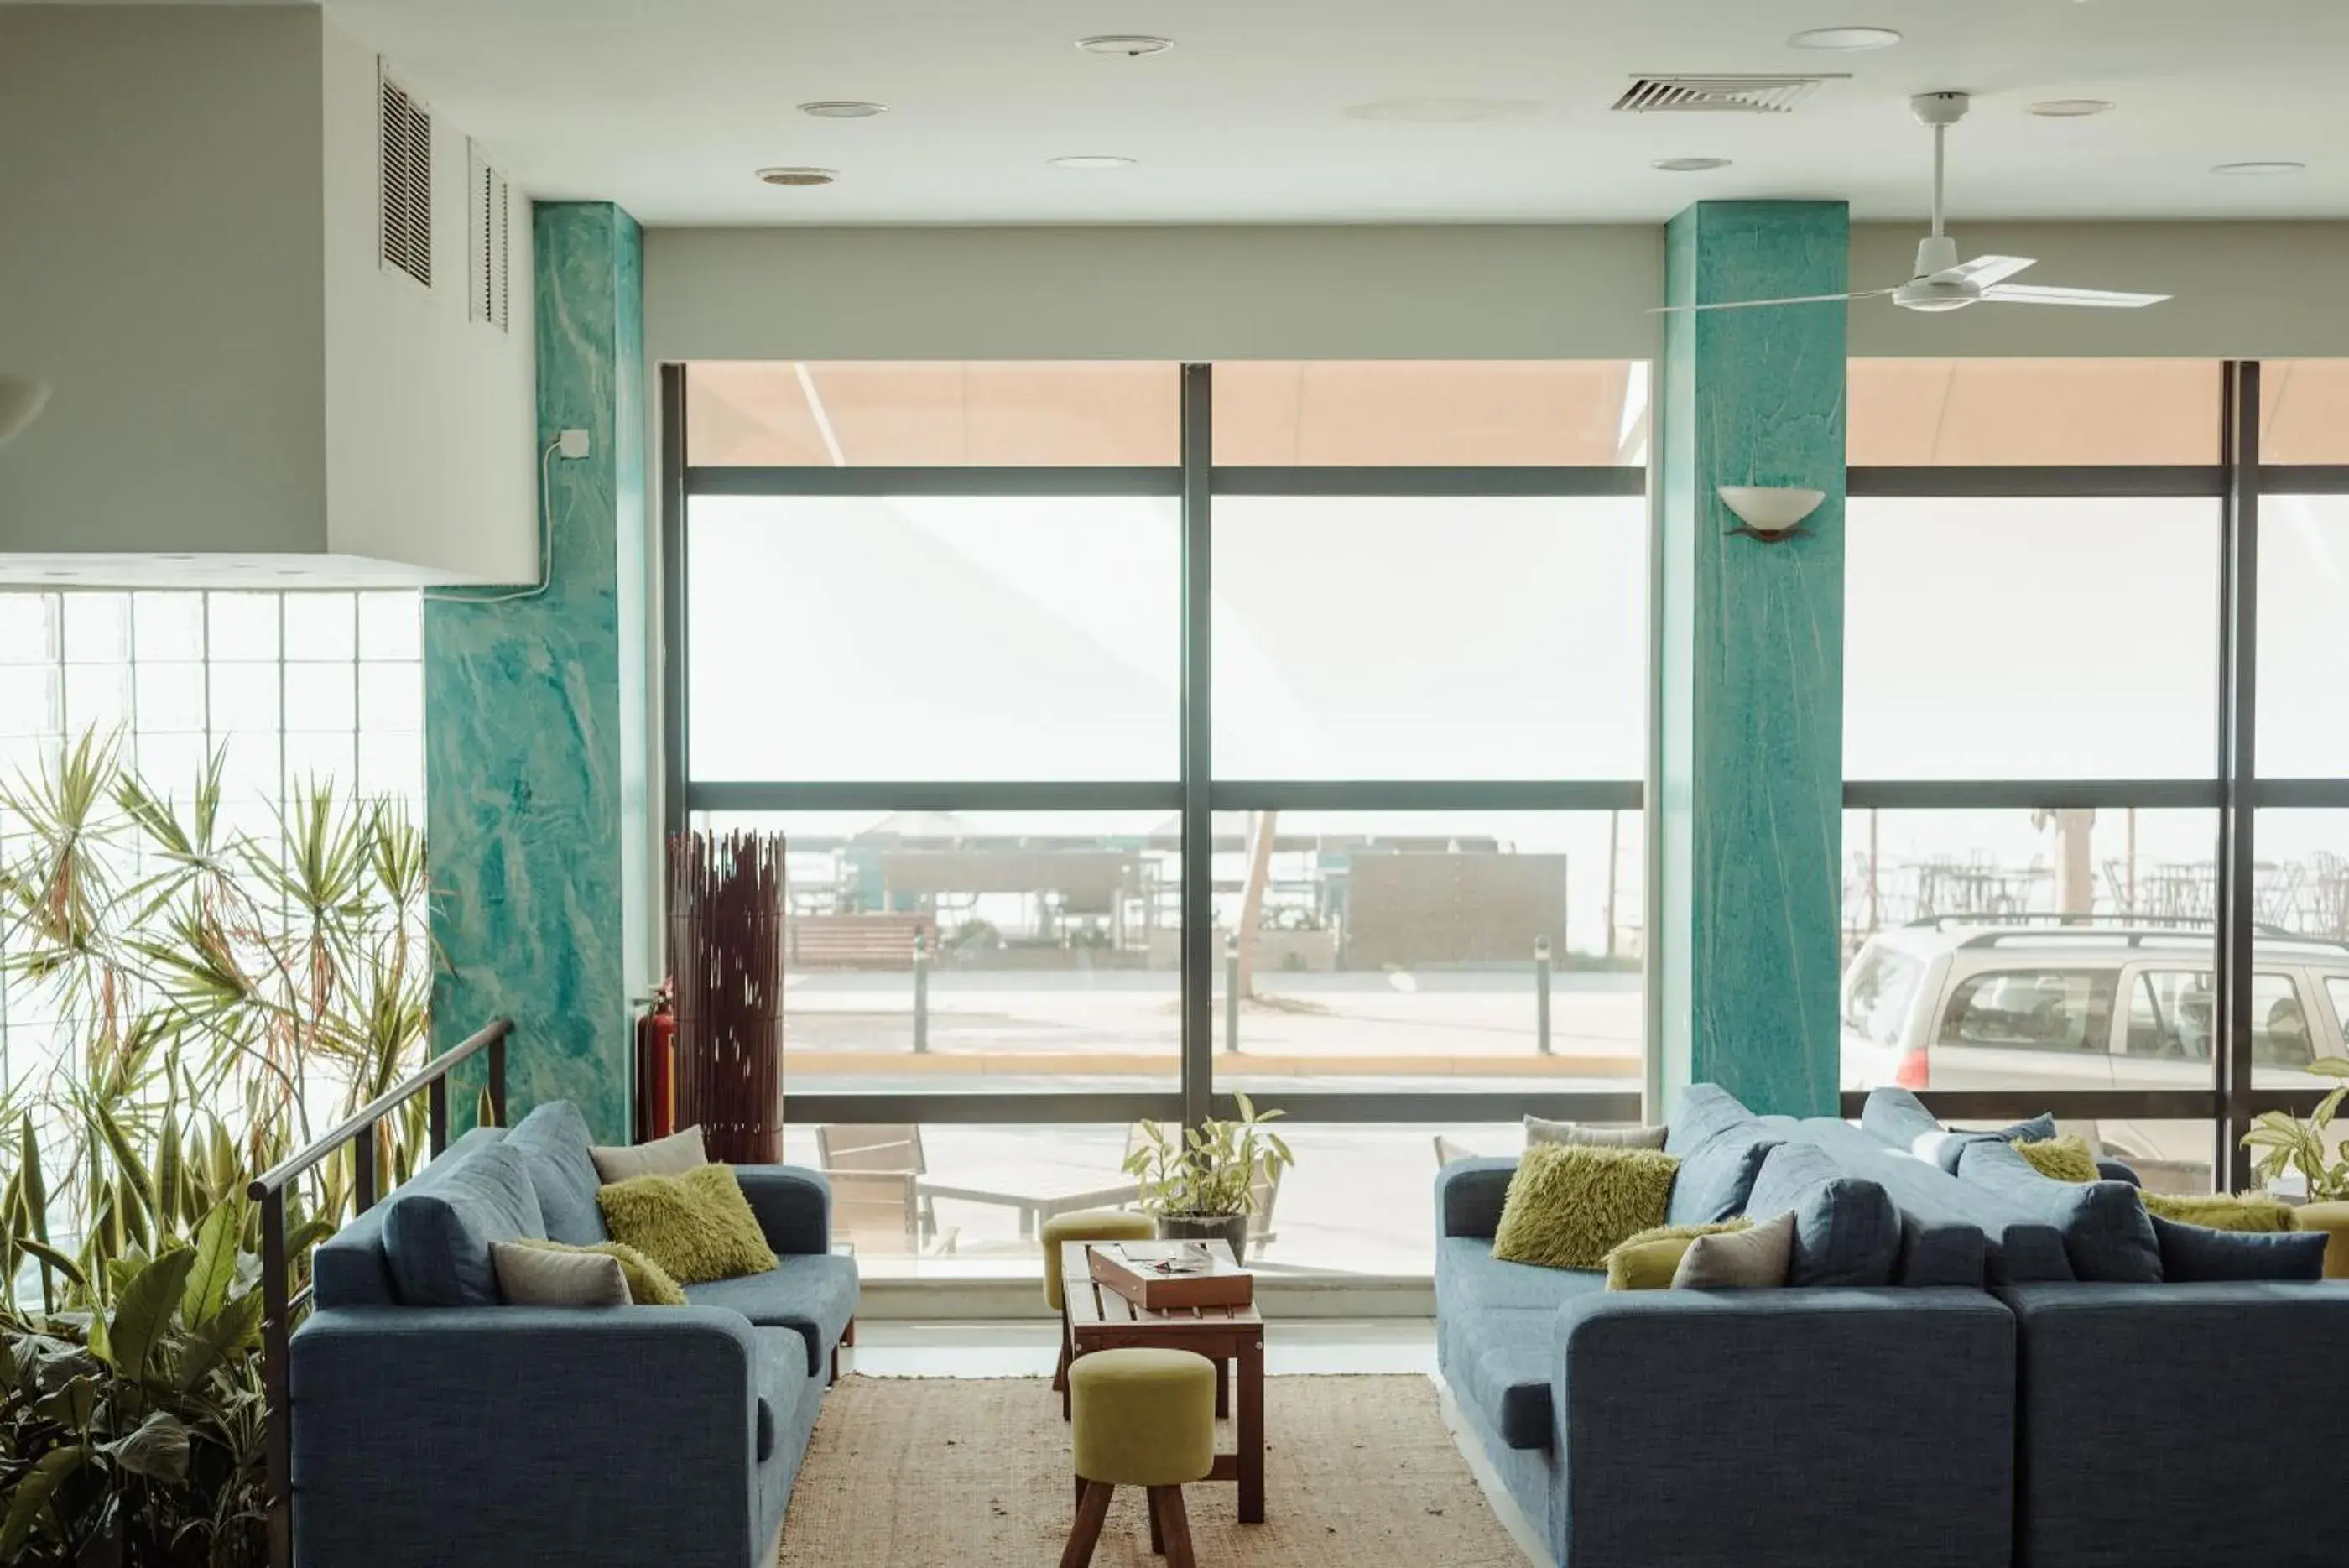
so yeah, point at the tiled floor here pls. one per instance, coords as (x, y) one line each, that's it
(1025, 1349)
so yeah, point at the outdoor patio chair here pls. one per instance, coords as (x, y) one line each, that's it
(881, 1150)
(1447, 1151)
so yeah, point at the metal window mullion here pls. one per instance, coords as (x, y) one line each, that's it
(674, 699)
(2039, 481)
(1197, 751)
(2034, 794)
(2303, 479)
(2238, 765)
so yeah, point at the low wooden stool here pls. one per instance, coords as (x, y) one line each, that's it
(1145, 1419)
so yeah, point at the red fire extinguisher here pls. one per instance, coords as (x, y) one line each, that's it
(657, 1066)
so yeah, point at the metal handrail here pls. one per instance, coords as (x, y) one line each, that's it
(278, 1303)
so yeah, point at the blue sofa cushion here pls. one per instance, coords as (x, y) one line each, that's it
(349, 1268)
(437, 1236)
(2107, 1235)
(1468, 1278)
(1720, 1146)
(1503, 1362)
(1900, 1119)
(553, 1141)
(2011, 1246)
(2193, 1254)
(814, 1295)
(1847, 1231)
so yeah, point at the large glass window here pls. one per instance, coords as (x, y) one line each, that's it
(1294, 749)
(1997, 413)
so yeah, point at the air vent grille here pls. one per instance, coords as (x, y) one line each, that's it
(1718, 95)
(404, 165)
(488, 298)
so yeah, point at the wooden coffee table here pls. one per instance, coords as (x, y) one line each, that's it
(1095, 1317)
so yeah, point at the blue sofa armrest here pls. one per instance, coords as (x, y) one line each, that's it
(2214, 1389)
(793, 1205)
(450, 1435)
(1469, 1194)
(1839, 1428)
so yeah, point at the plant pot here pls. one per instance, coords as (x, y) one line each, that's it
(1231, 1229)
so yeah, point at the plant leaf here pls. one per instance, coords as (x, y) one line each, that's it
(33, 1492)
(157, 1447)
(214, 1269)
(142, 1314)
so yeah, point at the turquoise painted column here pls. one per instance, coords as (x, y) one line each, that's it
(536, 745)
(1748, 918)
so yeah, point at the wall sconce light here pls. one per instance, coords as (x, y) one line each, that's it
(1770, 513)
(21, 399)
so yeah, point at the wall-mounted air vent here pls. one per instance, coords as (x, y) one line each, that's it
(488, 242)
(1719, 95)
(404, 173)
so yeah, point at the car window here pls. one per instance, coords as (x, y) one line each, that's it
(2279, 1032)
(2338, 989)
(1876, 998)
(2173, 1012)
(2032, 1010)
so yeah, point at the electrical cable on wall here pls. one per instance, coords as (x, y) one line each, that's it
(572, 444)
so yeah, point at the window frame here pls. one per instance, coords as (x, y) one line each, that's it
(1197, 792)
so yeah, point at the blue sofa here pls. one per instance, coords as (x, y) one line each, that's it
(432, 1425)
(2041, 1384)
(1826, 1426)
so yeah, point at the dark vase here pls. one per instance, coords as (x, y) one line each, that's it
(1231, 1229)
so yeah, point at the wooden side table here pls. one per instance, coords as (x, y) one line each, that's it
(1095, 1317)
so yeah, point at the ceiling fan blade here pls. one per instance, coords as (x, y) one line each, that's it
(2024, 294)
(1984, 270)
(1759, 304)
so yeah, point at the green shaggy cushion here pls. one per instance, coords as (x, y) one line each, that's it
(1648, 1260)
(1569, 1204)
(2059, 1159)
(698, 1227)
(2224, 1211)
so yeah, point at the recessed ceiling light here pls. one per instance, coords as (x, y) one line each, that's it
(843, 108)
(2256, 167)
(1689, 165)
(799, 176)
(1092, 161)
(2068, 108)
(1847, 39)
(1133, 46)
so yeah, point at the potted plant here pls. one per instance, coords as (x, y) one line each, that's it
(2305, 1147)
(1202, 1184)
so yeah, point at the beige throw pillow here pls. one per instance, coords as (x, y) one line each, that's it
(533, 1276)
(671, 1156)
(1755, 1258)
(1589, 1136)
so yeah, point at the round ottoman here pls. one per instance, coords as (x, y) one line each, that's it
(1083, 1225)
(1145, 1419)
(2333, 1219)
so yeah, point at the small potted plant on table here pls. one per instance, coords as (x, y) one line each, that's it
(1202, 1184)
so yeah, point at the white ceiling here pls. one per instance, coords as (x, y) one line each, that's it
(1316, 110)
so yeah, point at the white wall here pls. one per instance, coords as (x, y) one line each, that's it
(1134, 293)
(188, 256)
(160, 266)
(432, 416)
(1465, 292)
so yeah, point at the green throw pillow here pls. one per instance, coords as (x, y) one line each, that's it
(649, 1285)
(2225, 1212)
(2061, 1159)
(1569, 1204)
(697, 1226)
(1648, 1260)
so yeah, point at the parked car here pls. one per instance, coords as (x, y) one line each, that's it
(1974, 1002)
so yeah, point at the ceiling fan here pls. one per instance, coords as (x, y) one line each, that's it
(1944, 282)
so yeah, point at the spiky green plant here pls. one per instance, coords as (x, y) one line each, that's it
(227, 994)
(2290, 1144)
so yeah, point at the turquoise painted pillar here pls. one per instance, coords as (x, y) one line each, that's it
(536, 751)
(1747, 923)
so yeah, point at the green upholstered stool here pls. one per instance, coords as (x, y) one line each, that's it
(1145, 1419)
(1081, 1225)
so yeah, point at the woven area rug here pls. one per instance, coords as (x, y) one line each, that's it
(905, 1473)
